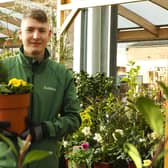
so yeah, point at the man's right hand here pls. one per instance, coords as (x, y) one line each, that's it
(4, 124)
(3, 129)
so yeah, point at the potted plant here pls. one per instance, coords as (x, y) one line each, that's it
(92, 90)
(14, 103)
(77, 149)
(80, 156)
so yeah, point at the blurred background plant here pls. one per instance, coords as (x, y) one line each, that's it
(154, 115)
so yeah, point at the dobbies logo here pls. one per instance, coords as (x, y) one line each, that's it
(49, 88)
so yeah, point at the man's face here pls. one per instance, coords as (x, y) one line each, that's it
(34, 36)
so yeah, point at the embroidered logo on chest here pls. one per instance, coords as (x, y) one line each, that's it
(49, 88)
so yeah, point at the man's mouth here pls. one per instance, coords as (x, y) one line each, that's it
(35, 44)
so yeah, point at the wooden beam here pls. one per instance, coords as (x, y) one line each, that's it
(31, 4)
(50, 4)
(68, 21)
(9, 43)
(10, 19)
(7, 4)
(142, 35)
(161, 3)
(166, 136)
(6, 31)
(132, 16)
(92, 3)
(60, 14)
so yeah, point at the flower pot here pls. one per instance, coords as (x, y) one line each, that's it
(72, 164)
(101, 165)
(13, 109)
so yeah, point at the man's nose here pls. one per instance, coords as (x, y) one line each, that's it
(36, 34)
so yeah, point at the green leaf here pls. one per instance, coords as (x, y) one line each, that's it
(6, 163)
(7, 158)
(35, 155)
(9, 143)
(4, 89)
(152, 114)
(4, 149)
(134, 154)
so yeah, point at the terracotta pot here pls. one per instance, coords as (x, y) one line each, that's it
(13, 109)
(101, 165)
(72, 164)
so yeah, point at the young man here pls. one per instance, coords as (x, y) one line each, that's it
(54, 110)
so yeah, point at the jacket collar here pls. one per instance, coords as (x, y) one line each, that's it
(30, 61)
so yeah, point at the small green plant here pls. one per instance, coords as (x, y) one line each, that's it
(80, 155)
(15, 86)
(131, 79)
(91, 86)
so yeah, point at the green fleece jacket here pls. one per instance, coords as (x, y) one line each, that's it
(53, 101)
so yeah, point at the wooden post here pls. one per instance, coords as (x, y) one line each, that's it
(166, 135)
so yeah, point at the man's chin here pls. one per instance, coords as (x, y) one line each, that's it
(36, 52)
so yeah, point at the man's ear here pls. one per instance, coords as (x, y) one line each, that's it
(19, 32)
(49, 34)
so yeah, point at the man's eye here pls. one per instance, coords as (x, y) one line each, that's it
(29, 30)
(42, 30)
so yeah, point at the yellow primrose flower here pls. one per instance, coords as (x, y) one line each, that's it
(14, 82)
(23, 83)
(147, 162)
(17, 86)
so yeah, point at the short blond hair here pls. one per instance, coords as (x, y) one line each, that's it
(37, 14)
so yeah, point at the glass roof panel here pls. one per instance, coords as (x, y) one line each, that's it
(6, 0)
(150, 11)
(11, 12)
(8, 25)
(125, 23)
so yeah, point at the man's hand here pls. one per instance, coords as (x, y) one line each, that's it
(3, 129)
(4, 124)
(37, 132)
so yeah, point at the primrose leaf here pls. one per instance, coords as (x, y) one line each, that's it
(152, 114)
(134, 154)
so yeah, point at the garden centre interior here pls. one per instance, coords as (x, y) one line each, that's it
(99, 35)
